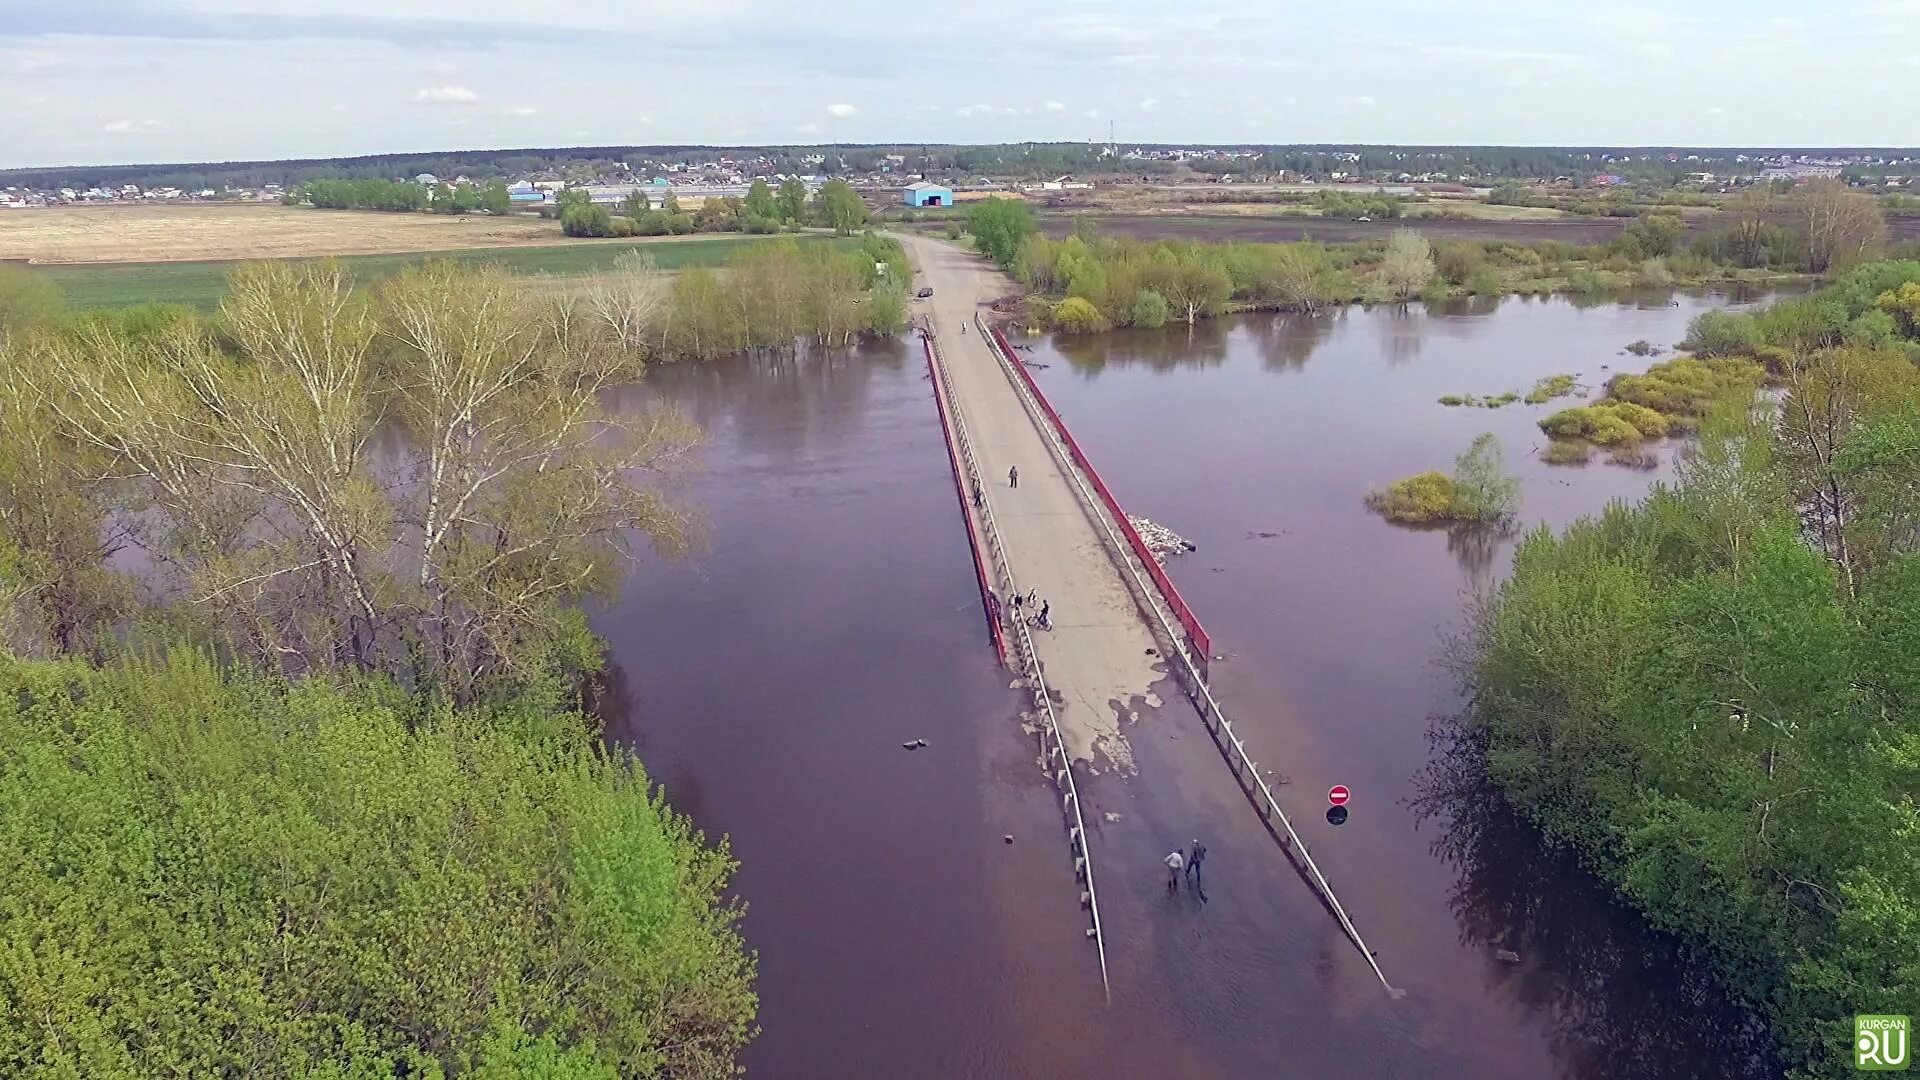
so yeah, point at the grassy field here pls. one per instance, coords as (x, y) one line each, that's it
(203, 284)
(203, 233)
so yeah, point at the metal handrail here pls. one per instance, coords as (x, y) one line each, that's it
(1029, 662)
(1210, 710)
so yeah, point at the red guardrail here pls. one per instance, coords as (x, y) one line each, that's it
(1202, 645)
(966, 515)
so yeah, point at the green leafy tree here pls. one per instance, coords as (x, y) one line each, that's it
(495, 198)
(1483, 489)
(759, 202)
(841, 207)
(1407, 265)
(998, 226)
(792, 200)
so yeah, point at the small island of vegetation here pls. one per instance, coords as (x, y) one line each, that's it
(1479, 491)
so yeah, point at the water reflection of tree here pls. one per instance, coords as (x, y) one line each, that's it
(1474, 545)
(1287, 339)
(1204, 344)
(778, 402)
(1402, 332)
(1622, 1001)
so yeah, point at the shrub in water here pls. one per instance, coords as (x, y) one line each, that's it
(1077, 315)
(1571, 423)
(1420, 499)
(1553, 386)
(1720, 333)
(1567, 452)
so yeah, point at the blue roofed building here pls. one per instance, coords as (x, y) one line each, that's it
(925, 194)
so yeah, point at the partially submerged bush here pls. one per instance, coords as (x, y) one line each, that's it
(1416, 500)
(1686, 386)
(1567, 452)
(1479, 491)
(1643, 347)
(1606, 423)
(1077, 315)
(1721, 333)
(1553, 386)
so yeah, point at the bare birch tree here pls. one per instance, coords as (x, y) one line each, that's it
(628, 298)
(1843, 226)
(500, 490)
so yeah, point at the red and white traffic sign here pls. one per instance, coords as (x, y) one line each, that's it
(1338, 795)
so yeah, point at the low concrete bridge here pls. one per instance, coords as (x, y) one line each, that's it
(1119, 627)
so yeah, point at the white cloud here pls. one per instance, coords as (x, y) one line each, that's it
(1473, 54)
(1657, 50)
(842, 110)
(1092, 114)
(1052, 106)
(446, 95)
(1363, 99)
(1147, 104)
(985, 110)
(807, 129)
(33, 62)
(522, 110)
(132, 127)
(1716, 110)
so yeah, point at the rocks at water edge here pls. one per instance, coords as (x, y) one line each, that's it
(1160, 540)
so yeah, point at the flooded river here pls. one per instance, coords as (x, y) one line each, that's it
(769, 681)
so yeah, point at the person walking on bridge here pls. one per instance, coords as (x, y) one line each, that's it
(1175, 861)
(1194, 859)
(1013, 476)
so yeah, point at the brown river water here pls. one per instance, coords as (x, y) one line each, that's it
(769, 681)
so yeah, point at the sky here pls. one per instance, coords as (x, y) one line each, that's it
(111, 81)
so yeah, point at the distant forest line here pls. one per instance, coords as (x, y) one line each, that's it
(1008, 159)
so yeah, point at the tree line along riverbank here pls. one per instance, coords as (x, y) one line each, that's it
(293, 660)
(1086, 283)
(1713, 694)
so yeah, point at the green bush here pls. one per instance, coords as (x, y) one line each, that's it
(1479, 491)
(1422, 499)
(1549, 388)
(1455, 399)
(1567, 452)
(1609, 430)
(1485, 281)
(213, 875)
(1606, 423)
(1077, 315)
(1150, 309)
(1720, 333)
(1687, 386)
(1573, 423)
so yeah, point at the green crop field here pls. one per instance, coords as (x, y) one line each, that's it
(203, 284)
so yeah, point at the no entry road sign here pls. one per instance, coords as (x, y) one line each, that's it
(1338, 795)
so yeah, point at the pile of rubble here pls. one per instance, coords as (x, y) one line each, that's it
(1160, 540)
